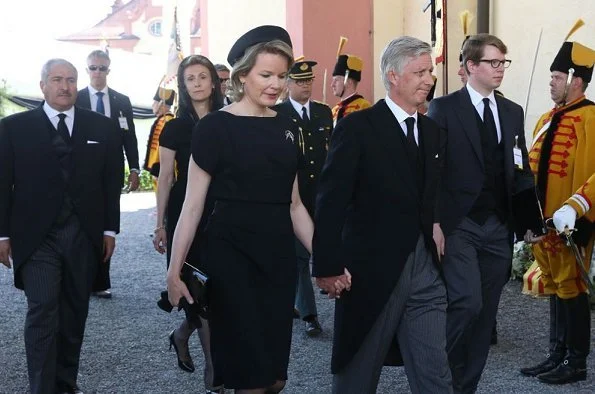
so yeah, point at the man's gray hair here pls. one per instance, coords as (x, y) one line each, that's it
(398, 53)
(98, 53)
(45, 70)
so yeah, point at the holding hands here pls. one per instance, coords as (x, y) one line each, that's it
(335, 285)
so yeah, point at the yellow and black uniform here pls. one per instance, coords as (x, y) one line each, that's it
(349, 66)
(348, 105)
(570, 180)
(563, 161)
(152, 155)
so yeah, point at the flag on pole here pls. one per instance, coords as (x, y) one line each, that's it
(174, 54)
(440, 32)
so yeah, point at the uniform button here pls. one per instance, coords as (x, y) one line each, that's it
(311, 175)
(311, 148)
(309, 133)
(311, 161)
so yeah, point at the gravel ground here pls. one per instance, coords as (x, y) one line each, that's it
(125, 349)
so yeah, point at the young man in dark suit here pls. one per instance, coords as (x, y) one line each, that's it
(98, 97)
(375, 243)
(316, 123)
(485, 162)
(58, 224)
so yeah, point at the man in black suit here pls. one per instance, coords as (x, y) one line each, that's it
(60, 223)
(486, 160)
(100, 98)
(316, 123)
(375, 234)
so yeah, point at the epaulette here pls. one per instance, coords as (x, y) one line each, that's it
(319, 102)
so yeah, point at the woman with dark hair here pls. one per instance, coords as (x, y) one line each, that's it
(247, 157)
(199, 93)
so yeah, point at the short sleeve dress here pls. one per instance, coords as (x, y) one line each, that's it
(249, 250)
(177, 136)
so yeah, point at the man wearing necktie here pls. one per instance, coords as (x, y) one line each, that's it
(315, 121)
(56, 225)
(376, 247)
(102, 99)
(486, 162)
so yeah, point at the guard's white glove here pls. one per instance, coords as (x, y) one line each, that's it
(564, 217)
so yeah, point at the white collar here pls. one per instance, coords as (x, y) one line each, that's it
(51, 112)
(93, 91)
(398, 112)
(476, 97)
(298, 107)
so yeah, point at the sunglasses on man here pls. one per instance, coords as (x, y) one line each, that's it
(100, 68)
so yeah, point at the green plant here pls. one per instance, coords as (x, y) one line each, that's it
(145, 178)
(522, 258)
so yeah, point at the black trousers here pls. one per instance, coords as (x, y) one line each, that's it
(57, 280)
(476, 267)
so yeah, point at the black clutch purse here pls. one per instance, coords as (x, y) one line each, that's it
(197, 283)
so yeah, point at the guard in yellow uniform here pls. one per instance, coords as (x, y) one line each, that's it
(346, 76)
(563, 161)
(162, 102)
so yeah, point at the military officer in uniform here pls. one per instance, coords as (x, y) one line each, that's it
(346, 76)
(563, 161)
(316, 122)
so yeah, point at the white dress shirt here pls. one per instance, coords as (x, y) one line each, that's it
(94, 99)
(298, 107)
(477, 101)
(53, 116)
(401, 115)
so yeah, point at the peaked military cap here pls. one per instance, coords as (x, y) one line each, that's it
(576, 56)
(302, 70)
(256, 36)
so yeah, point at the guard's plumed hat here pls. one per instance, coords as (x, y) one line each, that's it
(167, 95)
(576, 56)
(351, 63)
(255, 36)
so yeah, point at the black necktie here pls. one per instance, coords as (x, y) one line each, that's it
(63, 129)
(410, 122)
(489, 122)
(100, 106)
(305, 114)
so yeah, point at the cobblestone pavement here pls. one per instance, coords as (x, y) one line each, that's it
(126, 344)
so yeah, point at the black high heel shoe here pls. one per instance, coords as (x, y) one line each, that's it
(187, 365)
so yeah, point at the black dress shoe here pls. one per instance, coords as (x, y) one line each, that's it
(106, 294)
(313, 327)
(185, 365)
(552, 361)
(324, 292)
(66, 389)
(566, 372)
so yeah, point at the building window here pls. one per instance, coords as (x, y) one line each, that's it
(155, 28)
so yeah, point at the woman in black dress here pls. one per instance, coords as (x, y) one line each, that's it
(247, 157)
(200, 93)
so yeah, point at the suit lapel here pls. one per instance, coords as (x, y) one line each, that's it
(84, 100)
(466, 113)
(113, 104)
(394, 143)
(507, 130)
(78, 133)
